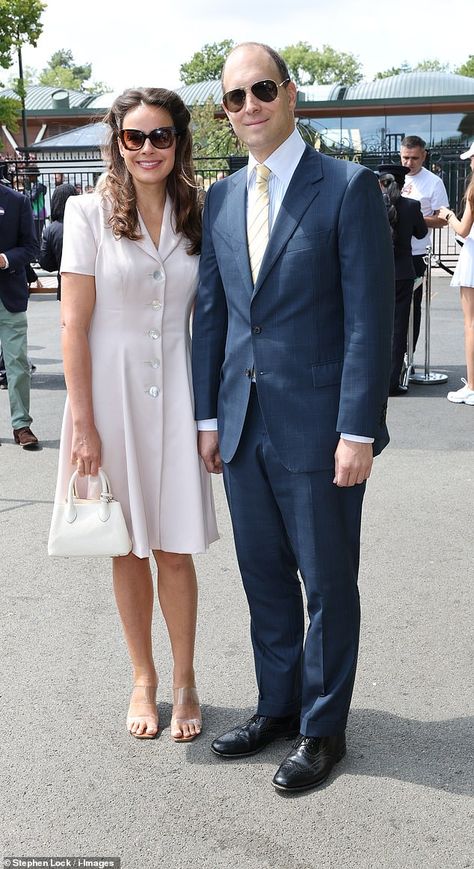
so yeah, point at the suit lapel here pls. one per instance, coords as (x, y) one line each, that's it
(304, 187)
(237, 225)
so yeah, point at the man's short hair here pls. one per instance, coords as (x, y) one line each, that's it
(277, 58)
(413, 142)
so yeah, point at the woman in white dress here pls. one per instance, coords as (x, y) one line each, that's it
(463, 278)
(129, 276)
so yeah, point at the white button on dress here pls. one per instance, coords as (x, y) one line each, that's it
(143, 405)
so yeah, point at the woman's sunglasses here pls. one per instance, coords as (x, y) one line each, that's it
(266, 91)
(162, 137)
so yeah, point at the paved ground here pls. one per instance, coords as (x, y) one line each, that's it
(74, 782)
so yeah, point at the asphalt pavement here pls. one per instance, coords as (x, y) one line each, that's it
(75, 784)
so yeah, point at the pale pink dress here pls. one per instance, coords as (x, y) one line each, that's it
(141, 378)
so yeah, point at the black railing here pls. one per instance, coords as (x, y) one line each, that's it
(39, 179)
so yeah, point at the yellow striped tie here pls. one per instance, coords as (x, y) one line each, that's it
(257, 220)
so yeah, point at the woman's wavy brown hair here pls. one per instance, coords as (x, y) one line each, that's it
(118, 185)
(469, 194)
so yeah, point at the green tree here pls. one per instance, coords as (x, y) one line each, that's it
(309, 65)
(30, 76)
(20, 25)
(10, 111)
(207, 63)
(427, 65)
(213, 137)
(432, 66)
(63, 72)
(467, 68)
(394, 70)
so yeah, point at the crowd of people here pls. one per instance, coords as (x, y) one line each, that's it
(282, 389)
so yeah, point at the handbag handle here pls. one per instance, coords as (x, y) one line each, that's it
(103, 507)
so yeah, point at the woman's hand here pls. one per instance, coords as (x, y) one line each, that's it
(86, 451)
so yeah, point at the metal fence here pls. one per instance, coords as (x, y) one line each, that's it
(39, 179)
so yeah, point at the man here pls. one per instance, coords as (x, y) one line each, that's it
(18, 247)
(291, 349)
(429, 190)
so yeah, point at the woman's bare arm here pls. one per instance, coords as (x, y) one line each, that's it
(77, 306)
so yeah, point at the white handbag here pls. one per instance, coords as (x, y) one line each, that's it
(88, 526)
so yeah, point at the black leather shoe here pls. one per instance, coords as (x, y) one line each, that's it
(309, 762)
(251, 737)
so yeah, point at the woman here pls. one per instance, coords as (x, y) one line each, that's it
(406, 220)
(463, 278)
(52, 238)
(129, 275)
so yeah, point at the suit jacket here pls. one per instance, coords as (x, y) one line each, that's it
(18, 241)
(317, 325)
(409, 223)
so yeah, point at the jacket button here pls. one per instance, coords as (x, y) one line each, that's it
(158, 275)
(154, 391)
(256, 330)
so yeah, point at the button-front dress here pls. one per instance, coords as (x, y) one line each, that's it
(142, 393)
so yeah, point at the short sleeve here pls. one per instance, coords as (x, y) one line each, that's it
(79, 240)
(440, 197)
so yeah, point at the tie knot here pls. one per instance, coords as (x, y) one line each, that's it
(263, 173)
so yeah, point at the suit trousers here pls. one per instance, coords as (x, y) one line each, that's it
(403, 297)
(13, 337)
(285, 525)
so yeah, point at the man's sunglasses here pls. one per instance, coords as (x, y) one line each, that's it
(162, 137)
(266, 91)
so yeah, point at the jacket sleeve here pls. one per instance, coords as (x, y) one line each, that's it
(47, 259)
(420, 228)
(26, 250)
(368, 288)
(209, 325)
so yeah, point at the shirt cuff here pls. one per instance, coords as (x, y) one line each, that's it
(207, 424)
(360, 439)
(7, 264)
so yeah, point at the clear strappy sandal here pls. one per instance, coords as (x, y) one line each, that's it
(143, 716)
(182, 698)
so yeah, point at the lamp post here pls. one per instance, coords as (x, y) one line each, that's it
(22, 97)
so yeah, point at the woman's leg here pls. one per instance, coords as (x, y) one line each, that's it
(467, 302)
(133, 587)
(177, 592)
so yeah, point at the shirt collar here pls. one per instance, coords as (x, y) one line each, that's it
(284, 160)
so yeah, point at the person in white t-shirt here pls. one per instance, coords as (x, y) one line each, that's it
(429, 190)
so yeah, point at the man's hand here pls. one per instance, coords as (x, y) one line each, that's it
(208, 446)
(3, 262)
(353, 462)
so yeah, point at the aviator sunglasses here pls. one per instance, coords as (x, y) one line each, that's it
(266, 91)
(162, 137)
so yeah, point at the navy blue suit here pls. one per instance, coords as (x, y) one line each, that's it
(317, 330)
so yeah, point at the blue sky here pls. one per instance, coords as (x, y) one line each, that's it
(144, 43)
